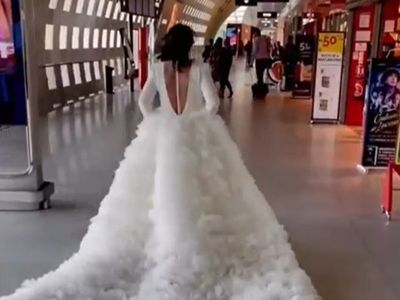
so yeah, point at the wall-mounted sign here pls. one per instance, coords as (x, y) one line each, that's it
(267, 15)
(328, 77)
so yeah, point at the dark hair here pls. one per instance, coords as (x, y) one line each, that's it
(218, 43)
(388, 73)
(177, 44)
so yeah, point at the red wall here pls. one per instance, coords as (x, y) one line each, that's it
(354, 106)
(390, 11)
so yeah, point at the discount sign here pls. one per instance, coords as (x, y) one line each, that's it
(331, 42)
(328, 77)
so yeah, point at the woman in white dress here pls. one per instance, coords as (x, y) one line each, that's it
(183, 219)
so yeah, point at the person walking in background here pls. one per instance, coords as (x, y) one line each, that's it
(225, 63)
(248, 48)
(280, 49)
(262, 54)
(214, 59)
(289, 60)
(208, 50)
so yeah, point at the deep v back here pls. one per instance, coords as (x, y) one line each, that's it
(177, 87)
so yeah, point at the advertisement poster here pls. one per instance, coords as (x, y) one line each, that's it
(381, 118)
(304, 76)
(12, 81)
(7, 52)
(328, 76)
(232, 34)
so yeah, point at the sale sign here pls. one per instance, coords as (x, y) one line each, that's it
(328, 77)
(303, 81)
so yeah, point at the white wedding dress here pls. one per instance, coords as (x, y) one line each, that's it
(183, 219)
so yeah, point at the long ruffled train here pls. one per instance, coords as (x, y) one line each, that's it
(183, 220)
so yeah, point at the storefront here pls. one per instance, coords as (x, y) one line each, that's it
(390, 30)
(336, 21)
(374, 31)
(363, 31)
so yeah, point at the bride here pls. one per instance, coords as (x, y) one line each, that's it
(183, 219)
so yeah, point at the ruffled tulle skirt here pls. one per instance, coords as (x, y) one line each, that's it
(183, 220)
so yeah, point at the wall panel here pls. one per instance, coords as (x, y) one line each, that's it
(71, 47)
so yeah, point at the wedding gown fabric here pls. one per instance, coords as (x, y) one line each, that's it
(183, 219)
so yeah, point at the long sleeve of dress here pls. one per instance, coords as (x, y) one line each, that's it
(147, 95)
(209, 90)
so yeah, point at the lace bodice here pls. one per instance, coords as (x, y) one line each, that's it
(201, 92)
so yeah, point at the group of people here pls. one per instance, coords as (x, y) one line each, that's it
(264, 53)
(220, 56)
(259, 50)
(183, 218)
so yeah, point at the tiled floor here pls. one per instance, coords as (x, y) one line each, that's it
(308, 174)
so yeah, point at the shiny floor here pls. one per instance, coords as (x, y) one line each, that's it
(308, 174)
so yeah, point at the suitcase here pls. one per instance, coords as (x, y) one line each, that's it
(260, 90)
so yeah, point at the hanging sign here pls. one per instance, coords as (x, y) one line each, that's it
(328, 77)
(381, 119)
(304, 74)
(267, 15)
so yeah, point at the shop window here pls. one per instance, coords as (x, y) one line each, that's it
(88, 74)
(75, 37)
(51, 78)
(67, 5)
(48, 37)
(77, 73)
(65, 76)
(63, 37)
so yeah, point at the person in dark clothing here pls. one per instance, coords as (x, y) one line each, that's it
(249, 51)
(214, 59)
(290, 58)
(208, 50)
(225, 63)
(280, 49)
